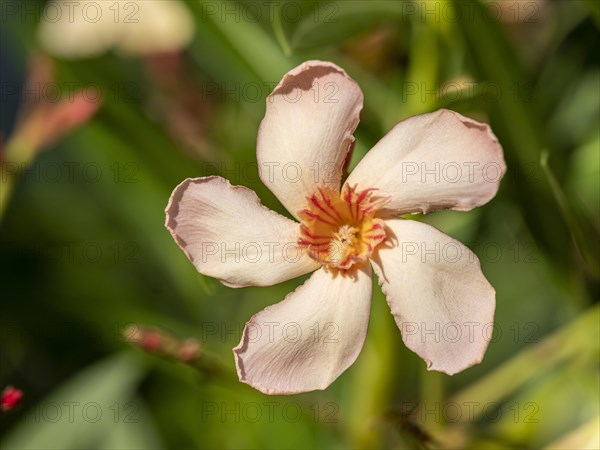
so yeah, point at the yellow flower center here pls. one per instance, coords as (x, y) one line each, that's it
(340, 230)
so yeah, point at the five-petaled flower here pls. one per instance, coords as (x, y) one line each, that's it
(434, 286)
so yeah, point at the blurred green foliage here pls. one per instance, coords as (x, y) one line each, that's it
(84, 256)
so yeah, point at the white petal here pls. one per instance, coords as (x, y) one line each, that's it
(78, 29)
(157, 26)
(307, 132)
(306, 341)
(440, 160)
(440, 299)
(228, 234)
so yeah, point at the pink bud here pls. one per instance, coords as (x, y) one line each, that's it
(11, 397)
(189, 350)
(151, 340)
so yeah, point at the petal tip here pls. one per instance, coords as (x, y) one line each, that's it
(172, 208)
(321, 67)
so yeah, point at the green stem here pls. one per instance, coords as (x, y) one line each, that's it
(16, 158)
(370, 393)
(432, 397)
(6, 188)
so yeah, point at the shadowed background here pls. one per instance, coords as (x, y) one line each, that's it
(85, 252)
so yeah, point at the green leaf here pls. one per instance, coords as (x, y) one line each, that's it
(576, 339)
(586, 244)
(594, 7)
(253, 46)
(517, 125)
(331, 22)
(85, 410)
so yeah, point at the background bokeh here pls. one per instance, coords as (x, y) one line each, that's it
(85, 252)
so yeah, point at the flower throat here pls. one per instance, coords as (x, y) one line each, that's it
(341, 230)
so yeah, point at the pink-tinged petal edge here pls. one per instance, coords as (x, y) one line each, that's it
(434, 161)
(307, 132)
(228, 234)
(294, 357)
(441, 301)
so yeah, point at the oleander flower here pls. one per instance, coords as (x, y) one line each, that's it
(137, 28)
(435, 161)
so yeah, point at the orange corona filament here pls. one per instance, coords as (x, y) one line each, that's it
(340, 230)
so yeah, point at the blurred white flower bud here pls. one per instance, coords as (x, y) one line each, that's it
(87, 28)
(78, 31)
(163, 26)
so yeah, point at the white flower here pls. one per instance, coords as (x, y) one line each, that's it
(440, 300)
(90, 28)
